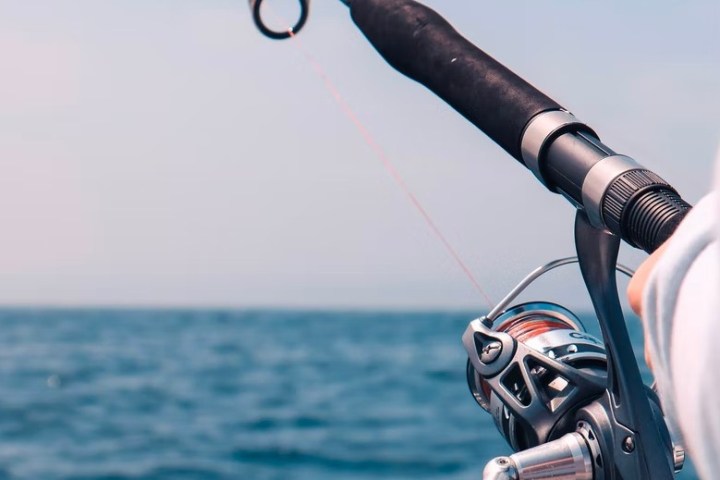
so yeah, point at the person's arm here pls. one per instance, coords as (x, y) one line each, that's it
(675, 292)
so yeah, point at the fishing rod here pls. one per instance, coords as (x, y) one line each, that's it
(570, 405)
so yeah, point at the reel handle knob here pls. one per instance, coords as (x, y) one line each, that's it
(500, 468)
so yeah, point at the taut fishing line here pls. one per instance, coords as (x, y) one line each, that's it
(363, 131)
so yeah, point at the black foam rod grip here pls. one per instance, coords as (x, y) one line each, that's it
(421, 44)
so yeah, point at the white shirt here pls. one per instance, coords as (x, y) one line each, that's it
(681, 313)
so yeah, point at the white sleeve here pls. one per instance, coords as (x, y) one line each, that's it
(680, 313)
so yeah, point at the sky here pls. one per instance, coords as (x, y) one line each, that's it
(165, 153)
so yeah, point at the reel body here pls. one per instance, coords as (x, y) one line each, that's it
(545, 381)
(543, 390)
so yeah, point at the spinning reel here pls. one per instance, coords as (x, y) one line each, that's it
(542, 377)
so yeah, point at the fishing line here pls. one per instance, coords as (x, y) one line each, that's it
(384, 159)
(389, 166)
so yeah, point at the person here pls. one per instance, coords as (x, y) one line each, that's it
(676, 293)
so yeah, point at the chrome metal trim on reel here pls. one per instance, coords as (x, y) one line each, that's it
(567, 458)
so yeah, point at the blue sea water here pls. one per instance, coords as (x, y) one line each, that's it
(171, 394)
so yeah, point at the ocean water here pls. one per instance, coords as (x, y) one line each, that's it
(171, 394)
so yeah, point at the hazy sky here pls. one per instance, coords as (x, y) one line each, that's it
(165, 153)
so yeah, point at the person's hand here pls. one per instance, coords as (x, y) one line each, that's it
(636, 287)
(637, 282)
